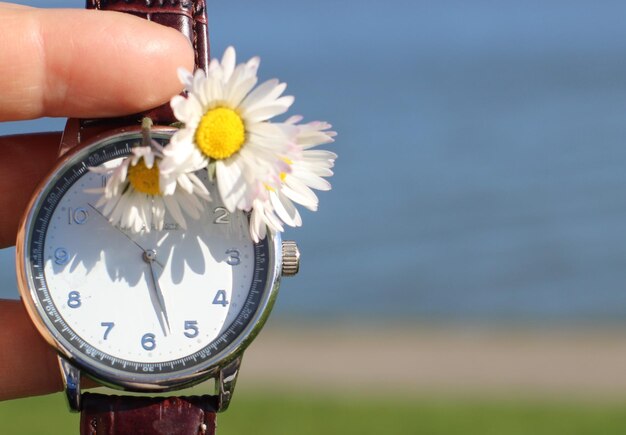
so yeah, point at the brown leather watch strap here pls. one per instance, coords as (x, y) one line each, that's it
(105, 414)
(187, 16)
(109, 415)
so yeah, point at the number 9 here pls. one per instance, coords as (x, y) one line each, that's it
(61, 256)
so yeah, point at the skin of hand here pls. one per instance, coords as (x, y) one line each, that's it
(66, 63)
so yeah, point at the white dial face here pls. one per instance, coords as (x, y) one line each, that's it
(154, 301)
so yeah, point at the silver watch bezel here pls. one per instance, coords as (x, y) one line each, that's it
(105, 374)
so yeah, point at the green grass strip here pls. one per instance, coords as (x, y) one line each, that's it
(292, 413)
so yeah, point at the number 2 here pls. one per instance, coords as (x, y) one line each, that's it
(222, 217)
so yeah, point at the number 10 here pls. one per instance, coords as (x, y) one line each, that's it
(77, 216)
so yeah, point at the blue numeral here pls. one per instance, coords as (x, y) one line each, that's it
(191, 328)
(73, 299)
(220, 298)
(148, 342)
(233, 258)
(108, 326)
(61, 256)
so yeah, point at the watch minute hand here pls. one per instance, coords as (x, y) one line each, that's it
(149, 257)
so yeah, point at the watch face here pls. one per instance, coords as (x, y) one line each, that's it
(141, 309)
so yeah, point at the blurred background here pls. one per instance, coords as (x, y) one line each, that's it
(467, 272)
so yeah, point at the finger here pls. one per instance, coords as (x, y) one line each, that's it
(26, 159)
(80, 63)
(4, 5)
(28, 366)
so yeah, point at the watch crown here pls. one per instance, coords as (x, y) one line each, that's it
(291, 258)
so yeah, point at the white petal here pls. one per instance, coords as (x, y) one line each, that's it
(236, 91)
(174, 209)
(190, 204)
(268, 90)
(257, 227)
(285, 210)
(185, 184)
(228, 62)
(167, 185)
(109, 205)
(253, 65)
(158, 210)
(185, 77)
(199, 187)
(231, 183)
(311, 180)
(265, 112)
(320, 155)
(303, 196)
(187, 110)
(294, 119)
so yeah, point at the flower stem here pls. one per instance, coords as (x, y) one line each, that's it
(146, 126)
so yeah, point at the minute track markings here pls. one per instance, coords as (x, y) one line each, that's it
(42, 220)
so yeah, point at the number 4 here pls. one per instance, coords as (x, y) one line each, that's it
(220, 298)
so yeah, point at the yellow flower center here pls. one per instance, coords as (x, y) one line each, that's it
(220, 133)
(144, 179)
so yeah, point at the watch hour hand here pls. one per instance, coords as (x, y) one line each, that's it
(149, 256)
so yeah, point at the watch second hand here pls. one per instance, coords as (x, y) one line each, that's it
(125, 235)
(149, 257)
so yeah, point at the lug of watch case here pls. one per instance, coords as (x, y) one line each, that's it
(71, 384)
(225, 383)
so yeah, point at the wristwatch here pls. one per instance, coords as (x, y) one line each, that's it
(149, 312)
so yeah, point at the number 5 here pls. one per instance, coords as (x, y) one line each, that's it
(191, 325)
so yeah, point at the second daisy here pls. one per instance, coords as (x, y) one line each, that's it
(137, 194)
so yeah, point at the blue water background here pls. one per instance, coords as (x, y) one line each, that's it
(482, 155)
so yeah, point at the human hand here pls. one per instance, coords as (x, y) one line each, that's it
(66, 63)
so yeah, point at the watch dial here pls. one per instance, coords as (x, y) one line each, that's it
(153, 302)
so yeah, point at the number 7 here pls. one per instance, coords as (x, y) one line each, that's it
(108, 326)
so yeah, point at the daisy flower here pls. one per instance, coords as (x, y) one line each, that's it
(308, 166)
(227, 129)
(307, 169)
(137, 194)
